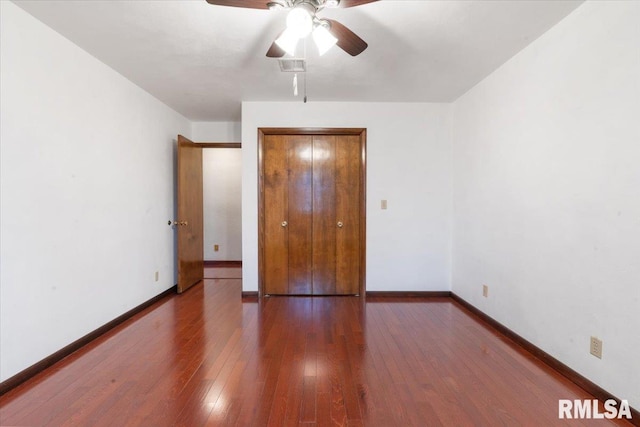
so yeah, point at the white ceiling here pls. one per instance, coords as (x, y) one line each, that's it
(204, 60)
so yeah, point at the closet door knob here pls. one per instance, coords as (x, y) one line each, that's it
(340, 224)
(284, 223)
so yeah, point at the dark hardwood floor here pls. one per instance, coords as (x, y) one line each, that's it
(222, 272)
(207, 358)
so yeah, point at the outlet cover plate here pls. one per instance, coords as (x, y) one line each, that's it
(596, 347)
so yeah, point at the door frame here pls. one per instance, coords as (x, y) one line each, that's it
(207, 145)
(362, 133)
(177, 223)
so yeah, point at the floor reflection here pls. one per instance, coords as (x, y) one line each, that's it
(208, 357)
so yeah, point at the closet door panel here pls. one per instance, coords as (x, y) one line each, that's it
(311, 197)
(324, 215)
(300, 214)
(347, 198)
(276, 253)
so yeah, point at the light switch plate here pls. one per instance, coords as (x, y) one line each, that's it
(383, 204)
(596, 347)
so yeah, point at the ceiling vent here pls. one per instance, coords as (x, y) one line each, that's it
(292, 65)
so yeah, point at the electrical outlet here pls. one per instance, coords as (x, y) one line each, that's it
(216, 248)
(596, 347)
(157, 276)
(485, 291)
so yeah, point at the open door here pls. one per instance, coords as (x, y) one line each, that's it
(190, 212)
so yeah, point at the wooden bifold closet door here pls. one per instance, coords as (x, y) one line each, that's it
(312, 221)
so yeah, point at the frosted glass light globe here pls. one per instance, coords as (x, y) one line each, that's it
(300, 22)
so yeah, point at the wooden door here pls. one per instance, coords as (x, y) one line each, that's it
(336, 214)
(287, 180)
(311, 213)
(324, 215)
(349, 202)
(190, 214)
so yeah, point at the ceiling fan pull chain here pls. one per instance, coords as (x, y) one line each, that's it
(305, 87)
(305, 73)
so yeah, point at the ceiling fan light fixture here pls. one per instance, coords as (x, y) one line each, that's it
(323, 38)
(288, 41)
(332, 3)
(300, 20)
(274, 5)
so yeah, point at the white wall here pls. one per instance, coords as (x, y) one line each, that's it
(216, 131)
(547, 194)
(87, 167)
(222, 188)
(408, 163)
(222, 174)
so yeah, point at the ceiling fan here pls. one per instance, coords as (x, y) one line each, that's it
(302, 20)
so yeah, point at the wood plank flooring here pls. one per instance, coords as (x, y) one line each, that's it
(207, 358)
(222, 272)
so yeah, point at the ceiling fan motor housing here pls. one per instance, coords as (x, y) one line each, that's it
(315, 4)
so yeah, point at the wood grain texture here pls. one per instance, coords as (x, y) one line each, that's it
(354, 3)
(373, 295)
(276, 253)
(324, 215)
(348, 41)
(310, 131)
(249, 4)
(205, 357)
(220, 144)
(190, 214)
(300, 209)
(551, 361)
(276, 51)
(347, 201)
(313, 191)
(54, 358)
(223, 272)
(363, 211)
(219, 263)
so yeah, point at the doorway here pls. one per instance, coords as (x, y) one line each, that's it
(312, 220)
(199, 224)
(222, 204)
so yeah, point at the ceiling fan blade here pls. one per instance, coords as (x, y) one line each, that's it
(275, 51)
(248, 4)
(347, 39)
(353, 3)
